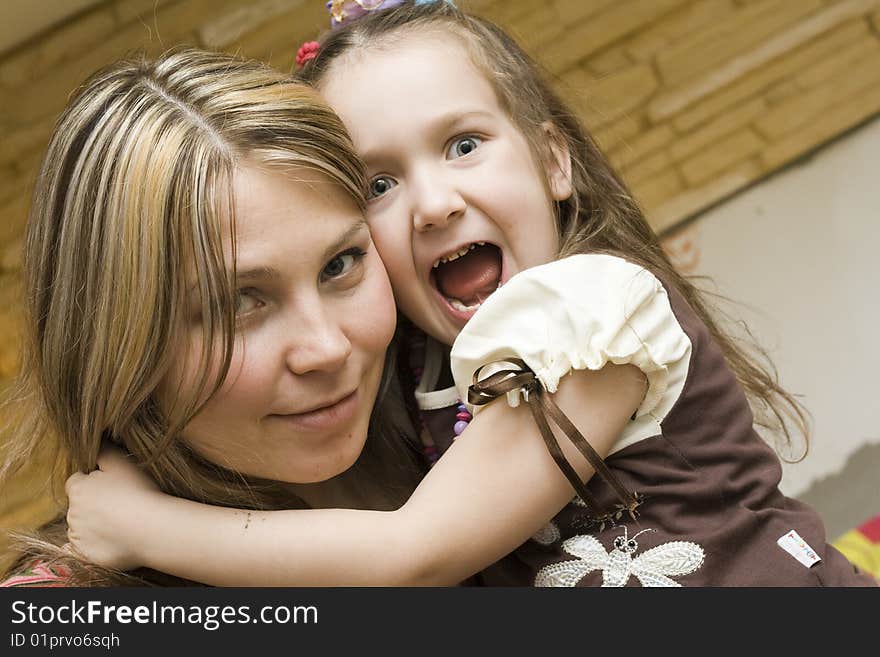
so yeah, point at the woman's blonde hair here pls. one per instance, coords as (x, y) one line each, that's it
(130, 201)
(601, 215)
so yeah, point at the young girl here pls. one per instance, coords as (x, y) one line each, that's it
(480, 179)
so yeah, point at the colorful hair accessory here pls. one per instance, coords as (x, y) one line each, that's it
(346, 10)
(307, 51)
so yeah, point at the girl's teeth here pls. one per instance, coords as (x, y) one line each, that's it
(458, 305)
(455, 256)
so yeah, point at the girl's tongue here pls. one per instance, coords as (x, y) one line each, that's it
(471, 278)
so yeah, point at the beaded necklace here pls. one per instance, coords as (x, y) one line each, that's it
(462, 415)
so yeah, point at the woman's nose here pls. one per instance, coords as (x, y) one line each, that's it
(436, 201)
(317, 344)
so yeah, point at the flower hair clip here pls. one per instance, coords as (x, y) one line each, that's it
(307, 52)
(346, 10)
(342, 11)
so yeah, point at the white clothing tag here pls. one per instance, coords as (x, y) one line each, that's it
(798, 548)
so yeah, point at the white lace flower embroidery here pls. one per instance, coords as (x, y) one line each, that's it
(652, 568)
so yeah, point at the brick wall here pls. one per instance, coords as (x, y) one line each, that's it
(692, 99)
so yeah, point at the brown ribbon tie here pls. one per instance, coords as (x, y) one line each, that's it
(519, 377)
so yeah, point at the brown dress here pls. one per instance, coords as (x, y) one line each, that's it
(712, 512)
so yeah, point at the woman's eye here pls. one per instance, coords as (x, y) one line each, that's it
(463, 146)
(246, 301)
(342, 263)
(380, 185)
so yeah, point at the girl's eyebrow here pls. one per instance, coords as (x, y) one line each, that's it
(452, 119)
(439, 125)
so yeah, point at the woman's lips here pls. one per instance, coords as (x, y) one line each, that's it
(325, 418)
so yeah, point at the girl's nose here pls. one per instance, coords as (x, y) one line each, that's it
(317, 344)
(436, 202)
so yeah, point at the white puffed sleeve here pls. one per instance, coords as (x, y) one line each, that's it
(582, 312)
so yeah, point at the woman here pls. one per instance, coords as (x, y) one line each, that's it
(201, 289)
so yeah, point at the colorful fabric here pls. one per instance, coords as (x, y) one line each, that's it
(38, 575)
(862, 546)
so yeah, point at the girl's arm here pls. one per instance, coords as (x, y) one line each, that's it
(493, 489)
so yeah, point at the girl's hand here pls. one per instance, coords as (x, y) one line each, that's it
(104, 506)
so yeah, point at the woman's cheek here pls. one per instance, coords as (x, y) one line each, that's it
(382, 313)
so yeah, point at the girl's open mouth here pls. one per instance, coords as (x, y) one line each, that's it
(466, 278)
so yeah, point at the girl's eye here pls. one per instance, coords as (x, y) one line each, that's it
(463, 146)
(342, 263)
(246, 301)
(380, 185)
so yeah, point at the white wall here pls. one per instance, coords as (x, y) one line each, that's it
(801, 250)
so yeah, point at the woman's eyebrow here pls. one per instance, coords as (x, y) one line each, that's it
(345, 238)
(258, 274)
(270, 274)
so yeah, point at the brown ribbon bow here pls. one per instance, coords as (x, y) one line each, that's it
(518, 376)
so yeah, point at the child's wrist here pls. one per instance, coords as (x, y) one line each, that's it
(148, 537)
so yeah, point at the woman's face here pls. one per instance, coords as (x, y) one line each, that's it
(315, 315)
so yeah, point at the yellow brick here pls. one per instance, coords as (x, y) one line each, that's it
(142, 10)
(677, 25)
(18, 68)
(35, 505)
(9, 344)
(500, 11)
(536, 28)
(687, 204)
(652, 192)
(762, 53)
(613, 96)
(11, 259)
(221, 29)
(76, 36)
(13, 216)
(755, 82)
(571, 11)
(25, 140)
(64, 42)
(609, 137)
(803, 109)
(609, 62)
(844, 115)
(739, 32)
(178, 22)
(839, 64)
(277, 41)
(646, 168)
(720, 156)
(47, 96)
(714, 130)
(12, 183)
(781, 91)
(619, 20)
(643, 144)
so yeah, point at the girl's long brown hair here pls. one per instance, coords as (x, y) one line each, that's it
(601, 216)
(131, 197)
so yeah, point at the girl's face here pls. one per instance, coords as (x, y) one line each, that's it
(315, 315)
(458, 203)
